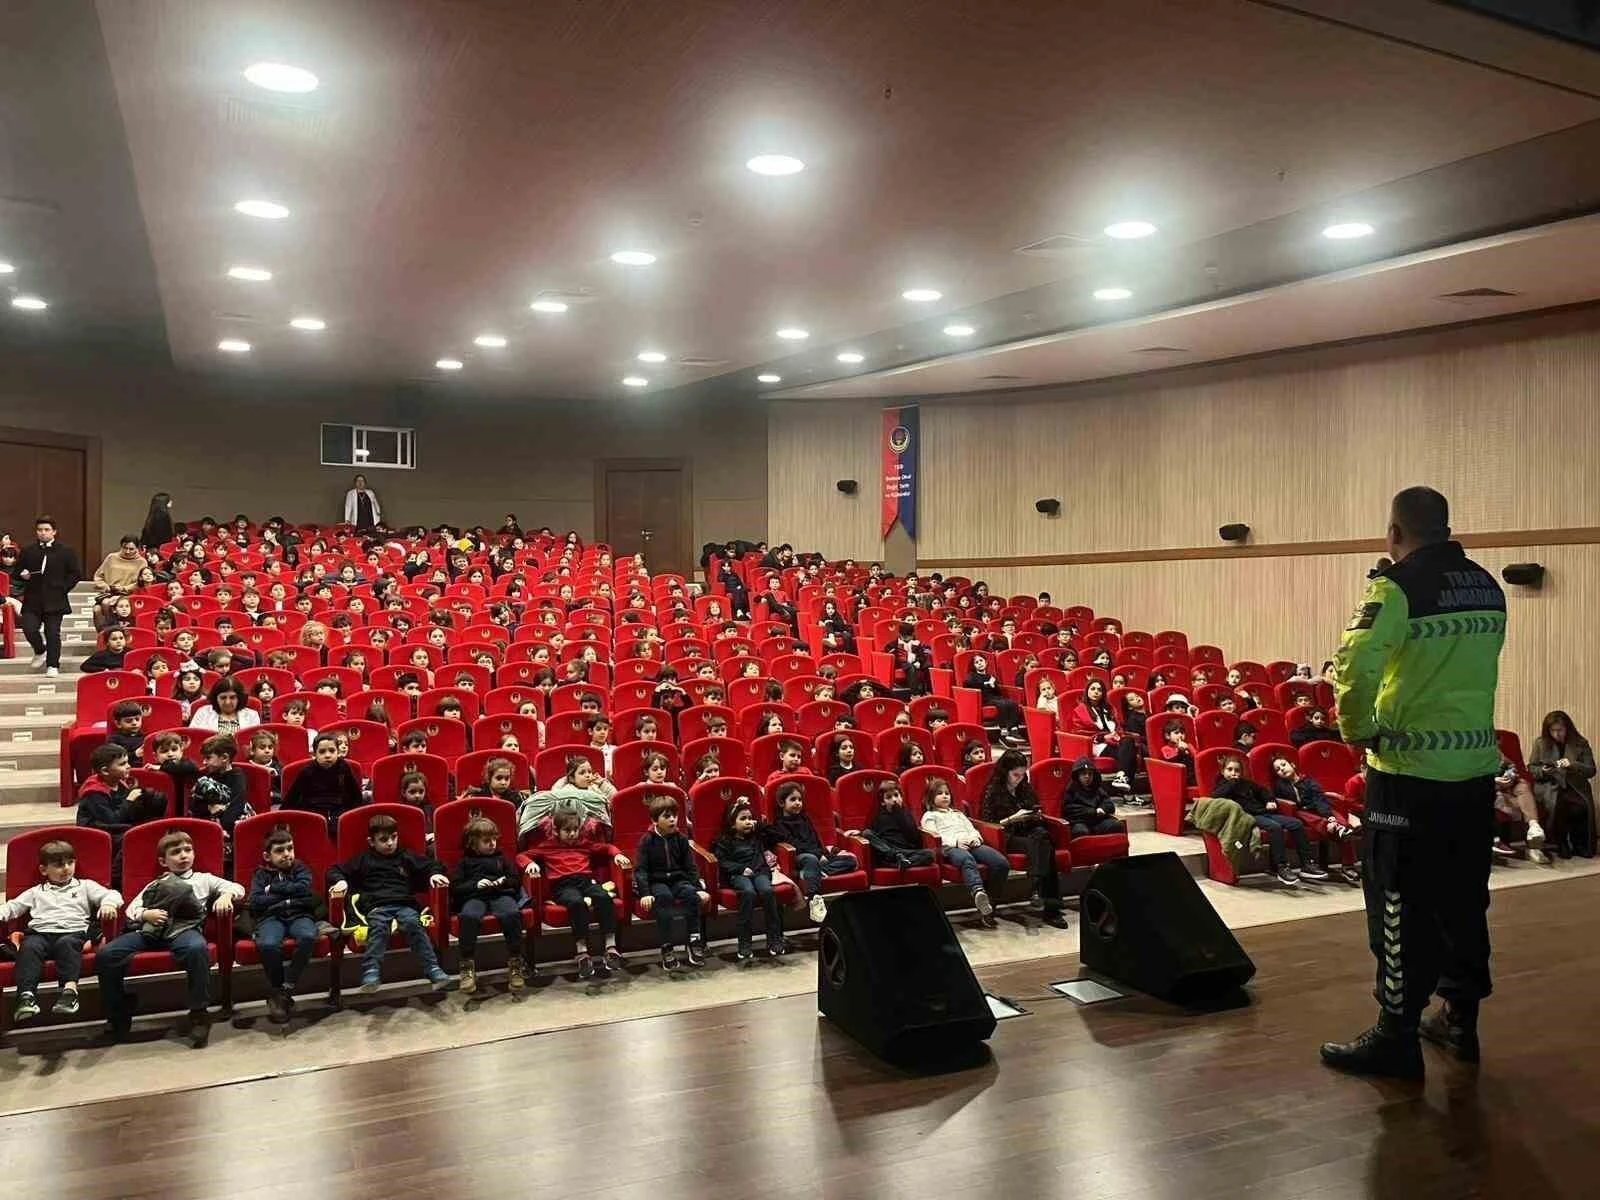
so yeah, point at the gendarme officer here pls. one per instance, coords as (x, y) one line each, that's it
(1415, 677)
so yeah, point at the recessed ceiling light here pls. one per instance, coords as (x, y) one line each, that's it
(633, 258)
(250, 274)
(775, 164)
(264, 209)
(489, 341)
(959, 330)
(1130, 229)
(311, 323)
(31, 303)
(1345, 230)
(278, 77)
(921, 295)
(769, 378)
(449, 364)
(790, 333)
(1112, 293)
(652, 356)
(549, 306)
(850, 357)
(233, 346)
(635, 381)
(6, 268)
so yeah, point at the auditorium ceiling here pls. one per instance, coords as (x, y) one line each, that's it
(459, 160)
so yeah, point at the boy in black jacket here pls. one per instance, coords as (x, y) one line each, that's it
(127, 729)
(668, 882)
(218, 791)
(385, 880)
(111, 655)
(486, 882)
(1316, 729)
(284, 905)
(1260, 804)
(105, 801)
(327, 785)
(811, 856)
(1087, 805)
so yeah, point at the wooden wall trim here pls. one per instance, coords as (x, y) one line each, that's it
(1583, 536)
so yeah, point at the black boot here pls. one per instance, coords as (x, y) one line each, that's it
(1456, 1029)
(1385, 1049)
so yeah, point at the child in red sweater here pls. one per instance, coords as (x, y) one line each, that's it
(791, 761)
(567, 857)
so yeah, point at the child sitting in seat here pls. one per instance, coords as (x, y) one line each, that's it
(486, 882)
(127, 729)
(911, 755)
(1175, 749)
(105, 801)
(1009, 714)
(284, 905)
(112, 655)
(1046, 699)
(655, 768)
(1244, 737)
(580, 788)
(327, 785)
(218, 792)
(385, 880)
(496, 782)
(1317, 814)
(791, 761)
(813, 859)
(841, 758)
(1256, 800)
(1087, 804)
(167, 915)
(741, 855)
(598, 727)
(963, 846)
(668, 882)
(1315, 729)
(565, 856)
(59, 910)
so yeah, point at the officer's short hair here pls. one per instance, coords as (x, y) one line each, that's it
(1422, 514)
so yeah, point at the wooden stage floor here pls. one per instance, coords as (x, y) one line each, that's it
(1124, 1099)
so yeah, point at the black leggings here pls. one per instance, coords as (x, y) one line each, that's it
(1007, 711)
(1042, 873)
(503, 909)
(570, 891)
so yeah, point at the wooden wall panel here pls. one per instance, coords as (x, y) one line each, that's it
(1301, 447)
(810, 447)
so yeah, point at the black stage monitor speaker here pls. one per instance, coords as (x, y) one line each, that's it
(1234, 533)
(892, 975)
(1523, 574)
(1048, 507)
(847, 486)
(1147, 924)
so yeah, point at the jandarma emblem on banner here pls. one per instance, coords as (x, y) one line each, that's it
(899, 451)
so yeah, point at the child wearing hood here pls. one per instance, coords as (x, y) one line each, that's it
(1088, 805)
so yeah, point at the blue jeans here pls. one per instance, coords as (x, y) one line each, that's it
(748, 888)
(813, 867)
(410, 922)
(504, 909)
(967, 860)
(111, 965)
(269, 945)
(673, 900)
(1274, 826)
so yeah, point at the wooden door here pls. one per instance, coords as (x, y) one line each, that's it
(644, 507)
(37, 479)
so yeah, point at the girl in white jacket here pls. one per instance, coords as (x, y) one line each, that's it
(962, 845)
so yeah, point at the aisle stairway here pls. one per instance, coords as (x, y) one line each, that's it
(33, 712)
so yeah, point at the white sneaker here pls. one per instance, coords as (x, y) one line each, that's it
(1535, 837)
(36, 662)
(1537, 856)
(1119, 783)
(818, 908)
(52, 670)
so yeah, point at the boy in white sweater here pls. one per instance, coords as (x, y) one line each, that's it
(58, 912)
(167, 915)
(961, 844)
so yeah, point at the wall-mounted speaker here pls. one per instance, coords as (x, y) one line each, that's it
(848, 486)
(1523, 574)
(1049, 508)
(1234, 533)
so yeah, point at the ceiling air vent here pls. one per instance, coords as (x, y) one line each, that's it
(1160, 350)
(1058, 245)
(1001, 378)
(691, 360)
(571, 297)
(253, 115)
(1477, 295)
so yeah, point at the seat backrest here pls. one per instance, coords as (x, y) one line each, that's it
(369, 740)
(875, 715)
(1332, 764)
(627, 760)
(93, 847)
(487, 732)
(856, 796)
(353, 828)
(1214, 729)
(450, 822)
(469, 769)
(99, 690)
(948, 741)
(550, 764)
(139, 862)
(388, 770)
(1261, 760)
(312, 845)
(891, 742)
(818, 800)
(914, 787)
(630, 813)
(709, 802)
(732, 755)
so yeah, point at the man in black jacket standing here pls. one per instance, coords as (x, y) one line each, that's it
(44, 576)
